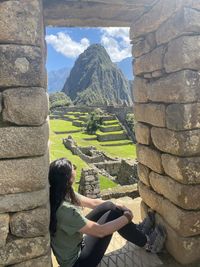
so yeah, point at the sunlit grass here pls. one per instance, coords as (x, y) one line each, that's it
(58, 150)
(108, 133)
(105, 183)
(62, 125)
(111, 122)
(123, 151)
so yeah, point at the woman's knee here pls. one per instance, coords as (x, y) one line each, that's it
(108, 205)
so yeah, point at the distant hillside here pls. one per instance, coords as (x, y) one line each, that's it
(56, 79)
(126, 67)
(94, 79)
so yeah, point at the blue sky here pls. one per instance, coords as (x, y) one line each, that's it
(64, 45)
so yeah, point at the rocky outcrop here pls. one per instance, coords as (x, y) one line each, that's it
(94, 79)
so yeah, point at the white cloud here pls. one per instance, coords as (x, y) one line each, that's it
(116, 42)
(63, 44)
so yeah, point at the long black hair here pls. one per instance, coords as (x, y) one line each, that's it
(60, 174)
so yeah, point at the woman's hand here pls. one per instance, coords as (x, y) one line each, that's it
(122, 207)
(129, 215)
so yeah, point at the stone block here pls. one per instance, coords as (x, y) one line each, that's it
(184, 170)
(142, 133)
(183, 143)
(187, 20)
(23, 141)
(151, 20)
(127, 173)
(150, 62)
(147, 75)
(140, 90)
(43, 261)
(149, 157)
(183, 53)
(26, 26)
(183, 116)
(157, 74)
(143, 173)
(144, 46)
(195, 4)
(21, 66)
(31, 223)
(153, 114)
(23, 175)
(20, 250)
(4, 229)
(185, 222)
(180, 87)
(185, 250)
(184, 196)
(0, 102)
(25, 106)
(23, 201)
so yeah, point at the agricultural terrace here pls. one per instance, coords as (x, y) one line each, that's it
(118, 145)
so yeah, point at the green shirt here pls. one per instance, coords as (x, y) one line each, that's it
(66, 241)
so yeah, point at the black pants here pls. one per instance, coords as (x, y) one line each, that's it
(95, 247)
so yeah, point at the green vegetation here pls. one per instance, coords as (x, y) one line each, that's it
(113, 122)
(62, 126)
(94, 121)
(59, 99)
(125, 151)
(130, 119)
(58, 150)
(121, 148)
(108, 133)
(110, 125)
(105, 183)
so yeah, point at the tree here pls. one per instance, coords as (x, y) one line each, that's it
(130, 119)
(59, 99)
(94, 121)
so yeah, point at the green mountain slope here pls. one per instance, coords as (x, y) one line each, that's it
(94, 79)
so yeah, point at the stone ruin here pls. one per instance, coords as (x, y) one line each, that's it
(123, 172)
(88, 154)
(89, 183)
(166, 47)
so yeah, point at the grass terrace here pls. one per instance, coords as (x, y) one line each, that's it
(112, 122)
(58, 150)
(121, 148)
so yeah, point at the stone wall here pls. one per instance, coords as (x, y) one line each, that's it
(111, 137)
(120, 112)
(166, 47)
(120, 191)
(89, 183)
(127, 173)
(88, 154)
(111, 167)
(24, 160)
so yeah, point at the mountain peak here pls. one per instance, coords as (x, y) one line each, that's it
(94, 79)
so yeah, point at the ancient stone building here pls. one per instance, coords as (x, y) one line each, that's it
(166, 46)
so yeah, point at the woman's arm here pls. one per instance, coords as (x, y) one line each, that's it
(95, 229)
(89, 202)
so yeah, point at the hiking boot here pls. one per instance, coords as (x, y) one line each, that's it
(156, 239)
(147, 224)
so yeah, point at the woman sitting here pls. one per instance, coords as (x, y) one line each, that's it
(67, 224)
